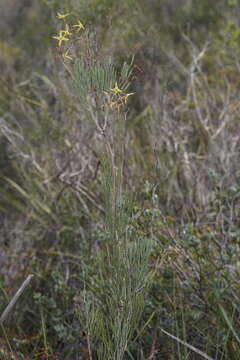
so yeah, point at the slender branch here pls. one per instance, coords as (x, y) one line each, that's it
(205, 356)
(15, 298)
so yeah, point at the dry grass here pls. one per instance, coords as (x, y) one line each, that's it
(79, 177)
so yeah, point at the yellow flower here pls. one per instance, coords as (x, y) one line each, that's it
(61, 37)
(66, 56)
(116, 89)
(65, 32)
(79, 26)
(62, 16)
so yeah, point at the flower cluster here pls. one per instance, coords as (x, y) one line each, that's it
(65, 34)
(117, 97)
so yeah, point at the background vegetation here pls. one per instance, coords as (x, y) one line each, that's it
(127, 215)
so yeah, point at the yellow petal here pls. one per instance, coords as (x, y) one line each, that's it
(62, 16)
(79, 26)
(66, 56)
(116, 89)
